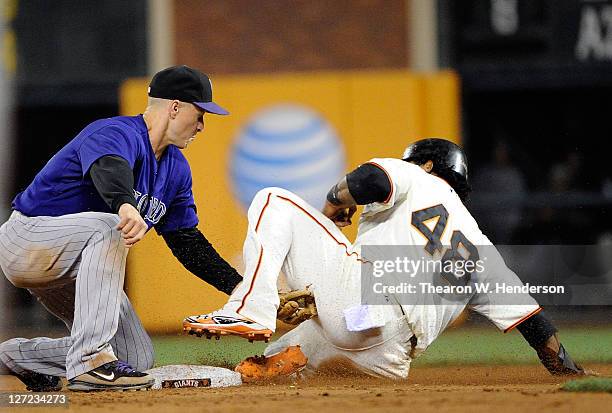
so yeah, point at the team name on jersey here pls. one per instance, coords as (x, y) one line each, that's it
(156, 209)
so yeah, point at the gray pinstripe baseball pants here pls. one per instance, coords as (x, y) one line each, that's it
(75, 266)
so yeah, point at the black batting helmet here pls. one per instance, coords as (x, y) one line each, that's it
(449, 162)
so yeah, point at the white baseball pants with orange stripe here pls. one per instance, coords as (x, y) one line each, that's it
(285, 233)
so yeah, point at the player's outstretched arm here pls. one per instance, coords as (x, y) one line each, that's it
(198, 255)
(542, 336)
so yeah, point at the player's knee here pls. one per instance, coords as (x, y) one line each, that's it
(101, 221)
(115, 237)
(16, 278)
(21, 282)
(105, 226)
(269, 197)
(263, 194)
(263, 197)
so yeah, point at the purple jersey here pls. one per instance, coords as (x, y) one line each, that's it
(162, 188)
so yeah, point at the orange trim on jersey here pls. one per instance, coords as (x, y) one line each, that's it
(531, 314)
(260, 256)
(324, 229)
(388, 177)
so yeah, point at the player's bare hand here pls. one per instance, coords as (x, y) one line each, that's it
(341, 216)
(330, 210)
(133, 228)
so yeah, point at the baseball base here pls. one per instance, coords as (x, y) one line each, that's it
(181, 376)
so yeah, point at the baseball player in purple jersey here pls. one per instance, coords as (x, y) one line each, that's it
(69, 234)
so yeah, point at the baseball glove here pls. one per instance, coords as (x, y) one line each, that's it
(296, 306)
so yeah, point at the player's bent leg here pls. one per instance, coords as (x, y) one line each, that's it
(389, 359)
(92, 269)
(268, 240)
(43, 355)
(385, 352)
(280, 224)
(99, 285)
(296, 237)
(38, 362)
(263, 260)
(91, 363)
(131, 343)
(133, 347)
(41, 252)
(295, 351)
(312, 344)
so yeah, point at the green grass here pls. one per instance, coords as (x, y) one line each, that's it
(591, 384)
(226, 352)
(457, 346)
(489, 346)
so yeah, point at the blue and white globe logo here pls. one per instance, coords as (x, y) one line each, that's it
(288, 146)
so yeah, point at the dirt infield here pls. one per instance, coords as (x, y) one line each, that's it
(430, 389)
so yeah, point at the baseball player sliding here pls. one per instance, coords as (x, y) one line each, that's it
(413, 201)
(69, 235)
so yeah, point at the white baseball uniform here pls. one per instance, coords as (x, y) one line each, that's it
(285, 233)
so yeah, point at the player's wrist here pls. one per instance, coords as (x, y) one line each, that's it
(126, 207)
(121, 200)
(339, 196)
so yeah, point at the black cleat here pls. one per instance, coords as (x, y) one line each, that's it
(38, 382)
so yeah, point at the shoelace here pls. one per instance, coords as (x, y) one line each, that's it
(123, 367)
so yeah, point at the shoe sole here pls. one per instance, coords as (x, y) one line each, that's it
(276, 379)
(210, 331)
(87, 387)
(280, 376)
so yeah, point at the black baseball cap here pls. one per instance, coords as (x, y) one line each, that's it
(187, 85)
